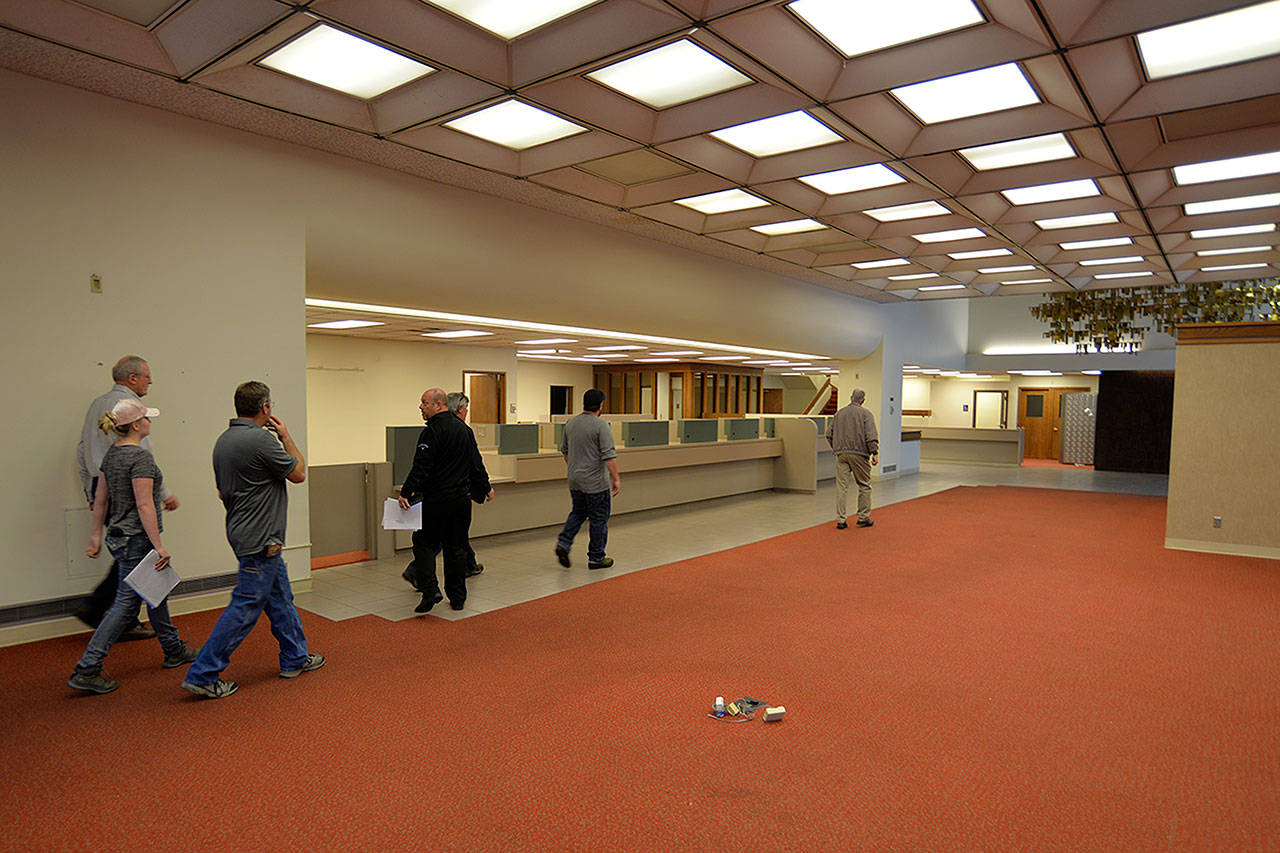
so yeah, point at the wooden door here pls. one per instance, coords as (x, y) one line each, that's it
(773, 400)
(486, 398)
(1040, 417)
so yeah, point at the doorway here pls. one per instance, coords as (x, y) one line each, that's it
(1040, 417)
(562, 399)
(990, 409)
(488, 393)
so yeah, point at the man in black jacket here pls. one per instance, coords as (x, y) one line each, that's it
(441, 477)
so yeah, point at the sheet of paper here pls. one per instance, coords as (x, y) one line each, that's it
(395, 518)
(150, 584)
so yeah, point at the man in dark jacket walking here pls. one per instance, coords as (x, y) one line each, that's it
(441, 477)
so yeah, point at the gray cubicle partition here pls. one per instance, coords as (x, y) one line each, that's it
(737, 429)
(646, 433)
(697, 430)
(766, 427)
(821, 422)
(402, 442)
(517, 438)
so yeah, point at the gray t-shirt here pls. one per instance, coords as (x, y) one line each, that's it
(589, 443)
(121, 465)
(250, 467)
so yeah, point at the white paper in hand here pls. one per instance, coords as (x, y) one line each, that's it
(152, 585)
(395, 518)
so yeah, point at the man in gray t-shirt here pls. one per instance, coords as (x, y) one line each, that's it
(587, 447)
(252, 460)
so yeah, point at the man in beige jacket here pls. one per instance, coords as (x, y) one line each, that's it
(853, 437)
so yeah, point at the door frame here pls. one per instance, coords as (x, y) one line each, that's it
(1004, 406)
(501, 376)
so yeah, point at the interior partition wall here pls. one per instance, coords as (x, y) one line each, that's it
(705, 391)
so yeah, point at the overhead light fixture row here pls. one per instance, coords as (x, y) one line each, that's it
(853, 179)
(1213, 41)
(516, 125)
(971, 93)
(793, 131)
(1019, 152)
(673, 74)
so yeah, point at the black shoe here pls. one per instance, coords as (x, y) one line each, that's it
(842, 525)
(410, 575)
(457, 605)
(865, 522)
(475, 570)
(600, 564)
(563, 556)
(429, 600)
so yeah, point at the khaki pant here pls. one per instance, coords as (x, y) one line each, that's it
(859, 467)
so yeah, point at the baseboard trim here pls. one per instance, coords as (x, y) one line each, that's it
(1228, 548)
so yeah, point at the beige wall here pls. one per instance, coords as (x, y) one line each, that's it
(533, 386)
(201, 275)
(947, 397)
(1223, 458)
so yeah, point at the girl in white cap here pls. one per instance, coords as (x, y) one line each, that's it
(128, 500)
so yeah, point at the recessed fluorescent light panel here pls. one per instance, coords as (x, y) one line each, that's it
(1226, 170)
(724, 358)
(343, 324)
(943, 287)
(655, 360)
(725, 201)
(1217, 40)
(1081, 221)
(1233, 231)
(918, 210)
(794, 226)
(853, 179)
(1233, 267)
(888, 262)
(457, 333)
(972, 93)
(511, 18)
(617, 348)
(544, 341)
(1029, 281)
(338, 60)
(913, 276)
(793, 131)
(1223, 205)
(1019, 152)
(946, 236)
(858, 28)
(672, 74)
(516, 125)
(1059, 191)
(1122, 275)
(1244, 250)
(1015, 268)
(1108, 243)
(979, 253)
(1097, 262)
(681, 352)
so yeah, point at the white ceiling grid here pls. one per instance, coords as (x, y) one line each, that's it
(1125, 130)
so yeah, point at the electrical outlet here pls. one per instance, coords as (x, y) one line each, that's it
(1217, 521)
(95, 284)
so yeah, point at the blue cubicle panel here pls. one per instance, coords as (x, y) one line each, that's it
(737, 429)
(517, 438)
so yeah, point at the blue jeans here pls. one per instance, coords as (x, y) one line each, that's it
(594, 507)
(263, 584)
(123, 614)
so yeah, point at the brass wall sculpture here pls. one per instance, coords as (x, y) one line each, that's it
(1117, 319)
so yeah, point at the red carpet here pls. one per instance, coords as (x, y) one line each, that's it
(986, 668)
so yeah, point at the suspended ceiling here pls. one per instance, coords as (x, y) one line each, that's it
(630, 164)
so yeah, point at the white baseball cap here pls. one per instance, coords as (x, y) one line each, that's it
(128, 411)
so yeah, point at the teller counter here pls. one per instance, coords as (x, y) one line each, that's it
(973, 446)
(531, 489)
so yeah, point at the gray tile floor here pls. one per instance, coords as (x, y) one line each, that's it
(520, 567)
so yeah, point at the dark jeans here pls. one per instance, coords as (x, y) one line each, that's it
(594, 507)
(445, 527)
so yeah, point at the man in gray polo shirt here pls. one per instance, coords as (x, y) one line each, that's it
(587, 447)
(251, 462)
